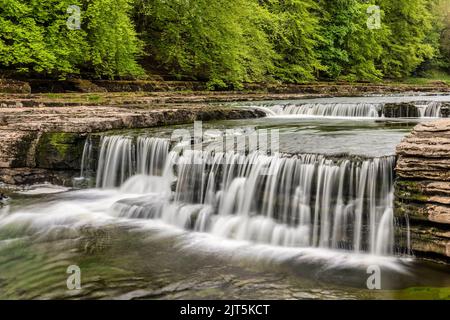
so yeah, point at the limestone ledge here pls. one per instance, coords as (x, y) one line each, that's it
(422, 189)
(52, 138)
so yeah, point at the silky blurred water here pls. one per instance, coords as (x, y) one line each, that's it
(46, 229)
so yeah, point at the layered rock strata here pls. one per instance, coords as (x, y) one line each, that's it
(422, 188)
(46, 143)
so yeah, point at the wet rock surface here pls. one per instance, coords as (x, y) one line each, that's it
(423, 187)
(401, 110)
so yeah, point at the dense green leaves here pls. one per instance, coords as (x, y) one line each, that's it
(225, 42)
(439, 38)
(34, 38)
(350, 48)
(111, 37)
(410, 21)
(294, 32)
(221, 41)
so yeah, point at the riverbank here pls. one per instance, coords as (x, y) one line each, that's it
(155, 86)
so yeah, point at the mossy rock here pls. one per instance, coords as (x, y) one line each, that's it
(424, 293)
(410, 190)
(86, 86)
(415, 211)
(60, 150)
(400, 110)
(62, 86)
(20, 151)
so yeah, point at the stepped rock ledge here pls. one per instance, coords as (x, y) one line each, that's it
(45, 144)
(422, 189)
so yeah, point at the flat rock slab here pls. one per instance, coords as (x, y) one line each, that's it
(51, 137)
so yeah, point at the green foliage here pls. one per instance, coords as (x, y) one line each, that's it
(440, 37)
(221, 41)
(410, 21)
(34, 38)
(294, 33)
(226, 42)
(112, 38)
(350, 48)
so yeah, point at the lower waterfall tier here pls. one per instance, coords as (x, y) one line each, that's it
(305, 200)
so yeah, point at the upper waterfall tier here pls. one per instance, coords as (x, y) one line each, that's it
(372, 110)
(369, 107)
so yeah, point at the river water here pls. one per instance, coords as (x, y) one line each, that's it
(160, 217)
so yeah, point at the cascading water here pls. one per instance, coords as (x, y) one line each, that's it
(359, 110)
(151, 155)
(330, 109)
(430, 109)
(305, 200)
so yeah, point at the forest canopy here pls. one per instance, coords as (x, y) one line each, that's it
(225, 42)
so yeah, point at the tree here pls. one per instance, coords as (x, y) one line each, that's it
(220, 41)
(112, 38)
(350, 48)
(445, 36)
(442, 30)
(294, 33)
(225, 42)
(35, 38)
(410, 21)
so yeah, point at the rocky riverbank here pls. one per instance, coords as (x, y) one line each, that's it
(102, 86)
(39, 144)
(423, 188)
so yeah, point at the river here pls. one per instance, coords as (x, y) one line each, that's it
(297, 205)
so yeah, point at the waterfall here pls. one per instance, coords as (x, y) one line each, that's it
(86, 159)
(304, 200)
(431, 109)
(151, 155)
(121, 157)
(115, 162)
(360, 109)
(330, 109)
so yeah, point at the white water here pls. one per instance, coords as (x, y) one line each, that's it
(371, 110)
(368, 107)
(303, 201)
(85, 159)
(43, 189)
(430, 109)
(60, 220)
